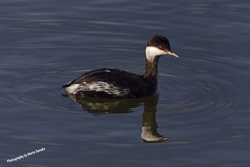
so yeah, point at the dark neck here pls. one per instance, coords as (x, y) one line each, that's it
(151, 69)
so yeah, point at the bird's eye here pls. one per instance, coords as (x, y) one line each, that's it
(160, 47)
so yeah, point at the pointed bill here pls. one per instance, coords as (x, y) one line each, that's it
(173, 54)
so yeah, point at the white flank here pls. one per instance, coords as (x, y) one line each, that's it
(96, 86)
(72, 88)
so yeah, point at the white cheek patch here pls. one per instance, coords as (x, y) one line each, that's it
(98, 87)
(152, 52)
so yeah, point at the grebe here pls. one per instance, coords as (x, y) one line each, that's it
(115, 83)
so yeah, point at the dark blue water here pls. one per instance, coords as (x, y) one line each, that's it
(202, 109)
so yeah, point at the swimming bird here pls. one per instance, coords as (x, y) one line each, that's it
(115, 83)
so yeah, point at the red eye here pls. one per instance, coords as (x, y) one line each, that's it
(160, 47)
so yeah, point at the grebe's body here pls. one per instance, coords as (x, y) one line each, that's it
(115, 83)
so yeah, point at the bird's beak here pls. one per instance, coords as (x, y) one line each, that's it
(172, 54)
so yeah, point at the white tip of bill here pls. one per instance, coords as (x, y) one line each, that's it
(173, 54)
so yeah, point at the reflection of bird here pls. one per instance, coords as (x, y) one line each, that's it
(100, 106)
(149, 129)
(115, 83)
(149, 126)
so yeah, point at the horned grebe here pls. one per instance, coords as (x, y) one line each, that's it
(115, 83)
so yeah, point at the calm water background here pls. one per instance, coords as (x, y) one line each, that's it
(203, 103)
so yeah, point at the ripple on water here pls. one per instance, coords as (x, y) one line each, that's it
(200, 93)
(39, 86)
(180, 93)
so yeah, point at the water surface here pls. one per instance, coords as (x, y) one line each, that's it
(203, 106)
